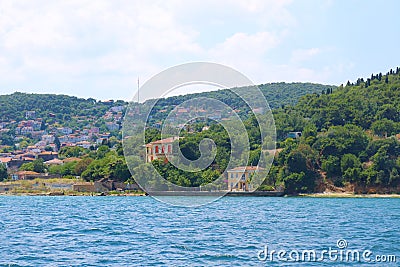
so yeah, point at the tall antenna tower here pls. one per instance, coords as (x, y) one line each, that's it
(138, 103)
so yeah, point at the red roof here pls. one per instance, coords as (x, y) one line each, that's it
(165, 141)
(247, 168)
(48, 153)
(28, 158)
(26, 173)
(5, 160)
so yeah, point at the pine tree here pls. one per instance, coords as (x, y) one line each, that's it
(57, 143)
(368, 83)
(3, 172)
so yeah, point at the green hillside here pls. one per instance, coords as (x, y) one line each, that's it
(348, 137)
(348, 133)
(51, 107)
(348, 141)
(277, 95)
(368, 103)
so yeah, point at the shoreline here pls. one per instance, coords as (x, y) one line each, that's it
(141, 194)
(72, 194)
(346, 195)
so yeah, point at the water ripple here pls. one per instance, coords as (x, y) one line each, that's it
(133, 231)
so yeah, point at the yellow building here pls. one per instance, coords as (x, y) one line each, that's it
(239, 178)
(160, 149)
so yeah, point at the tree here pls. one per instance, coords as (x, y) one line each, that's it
(208, 176)
(388, 111)
(55, 169)
(73, 151)
(68, 168)
(57, 143)
(6, 139)
(38, 166)
(82, 165)
(3, 172)
(390, 145)
(96, 170)
(331, 166)
(43, 125)
(112, 141)
(299, 183)
(118, 169)
(190, 150)
(254, 157)
(349, 161)
(27, 166)
(102, 151)
(351, 167)
(310, 130)
(381, 159)
(383, 127)
(296, 162)
(340, 140)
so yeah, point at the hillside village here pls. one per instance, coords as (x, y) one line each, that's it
(34, 139)
(346, 139)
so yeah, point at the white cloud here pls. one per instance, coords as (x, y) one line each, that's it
(242, 46)
(245, 52)
(300, 55)
(92, 46)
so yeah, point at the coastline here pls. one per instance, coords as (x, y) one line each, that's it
(141, 194)
(347, 195)
(75, 194)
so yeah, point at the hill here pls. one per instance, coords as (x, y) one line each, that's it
(364, 103)
(76, 113)
(350, 137)
(277, 95)
(51, 107)
(350, 141)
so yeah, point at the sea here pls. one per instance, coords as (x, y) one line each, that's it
(232, 231)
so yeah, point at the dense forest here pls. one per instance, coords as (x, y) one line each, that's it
(349, 136)
(62, 107)
(348, 139)
(77, 113)
(277, 95)
(51, 107)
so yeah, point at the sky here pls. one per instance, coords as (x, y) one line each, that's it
(99, 48)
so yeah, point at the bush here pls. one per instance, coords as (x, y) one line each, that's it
(299, 183)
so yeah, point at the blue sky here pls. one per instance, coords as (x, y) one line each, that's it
(99, 48)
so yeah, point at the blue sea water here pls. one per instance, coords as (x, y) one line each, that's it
(233, 231)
